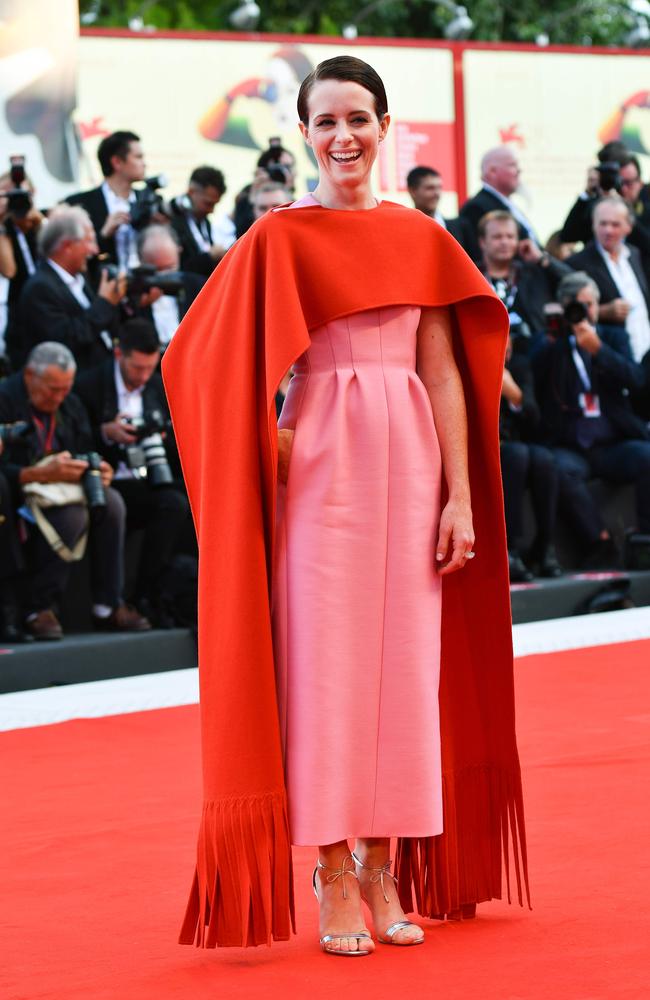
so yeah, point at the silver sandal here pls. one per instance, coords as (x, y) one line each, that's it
(326, 938)
(378, 876)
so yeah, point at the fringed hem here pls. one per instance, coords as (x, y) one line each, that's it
(242, 894)
(483, 830)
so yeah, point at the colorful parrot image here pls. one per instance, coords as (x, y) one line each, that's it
(630, 124)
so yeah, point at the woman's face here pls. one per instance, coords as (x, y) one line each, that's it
(343, 131)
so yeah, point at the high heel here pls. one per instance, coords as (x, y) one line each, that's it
(379, 874)
(327, 938)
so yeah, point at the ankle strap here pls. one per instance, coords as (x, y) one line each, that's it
(378, 873)
(339, 872)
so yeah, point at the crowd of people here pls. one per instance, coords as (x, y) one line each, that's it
(92, 292)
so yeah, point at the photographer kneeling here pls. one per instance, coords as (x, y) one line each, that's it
(45, 468)
(128, 412)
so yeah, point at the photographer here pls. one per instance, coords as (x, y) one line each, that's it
(11, 558)
(524, 278)
(158, 249)
(617, 271)
(110, 205)
(276, 165)
(41, 396)
(127, 407)
(190, 221)
(57, 303)
(583, 374)
(20, 225)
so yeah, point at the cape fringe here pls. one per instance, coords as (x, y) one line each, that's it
(484, 828)
(242, 894)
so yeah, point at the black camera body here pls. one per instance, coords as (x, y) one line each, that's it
(91, 480)
(575, 312)
(20, 202)
(141, 279)
(149, 202)
(609, 174)
(147, 458)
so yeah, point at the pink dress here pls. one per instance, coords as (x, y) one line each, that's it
(356, 597)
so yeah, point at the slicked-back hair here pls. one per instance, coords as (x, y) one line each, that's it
(65, 222)
(138, 334)
(209, 177)
(415, 176)
(116, 144)
(347, 69)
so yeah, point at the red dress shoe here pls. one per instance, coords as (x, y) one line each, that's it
(126, 618)
(44, 626)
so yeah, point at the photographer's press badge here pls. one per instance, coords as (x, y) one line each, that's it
(589, 404)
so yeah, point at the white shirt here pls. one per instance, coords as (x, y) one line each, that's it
(439, 219)
(514, 210)
(637, 323)
(129, 404)
(75, 282)
(25, 251)
(125, 237)
(165, 317)
(4, 292)
(223, 231)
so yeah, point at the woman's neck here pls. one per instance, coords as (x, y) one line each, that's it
(349, 199)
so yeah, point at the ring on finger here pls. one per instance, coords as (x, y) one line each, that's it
(470, 554)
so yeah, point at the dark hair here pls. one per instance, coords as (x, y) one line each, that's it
(346, 69)
(138, 335)
(209, 177)
(273, 155)
(418, 174)
(498, 215)
(613, 151)
(625, 162)
(116, 144)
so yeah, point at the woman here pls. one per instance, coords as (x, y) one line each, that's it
(328, 621)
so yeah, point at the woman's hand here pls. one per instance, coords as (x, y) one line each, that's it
(455, 536)
(285, 444)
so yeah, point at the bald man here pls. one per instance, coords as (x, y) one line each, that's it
(500, 173)
(617, 270)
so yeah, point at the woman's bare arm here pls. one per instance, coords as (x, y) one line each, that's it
(437, 369)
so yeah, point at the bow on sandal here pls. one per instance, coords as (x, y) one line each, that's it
(388, 937)
(335, 873)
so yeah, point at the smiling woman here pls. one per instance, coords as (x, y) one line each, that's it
(344, 622)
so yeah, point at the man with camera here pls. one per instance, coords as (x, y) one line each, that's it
(617, 270)
(584, 373)
(110, 205)
(500, 173)
(166, 305)
(126, 403)
(57, 303)
(191, 223)
(45, 469)
(524, 278)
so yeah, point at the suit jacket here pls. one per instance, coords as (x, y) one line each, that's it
(536, 287)
(462, 232)
(519, 425)
(22, 273)
(193, 258)
(97, 390)
(613, 375)
(473, 211)
(192, 285)
(94, 203)
(591, 260)
(73, 431)
(47, 310)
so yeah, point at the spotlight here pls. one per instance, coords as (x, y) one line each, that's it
(246, 16)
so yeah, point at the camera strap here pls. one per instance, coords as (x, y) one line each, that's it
(199, 237)
(45, 438)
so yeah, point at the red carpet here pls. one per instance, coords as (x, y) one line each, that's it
(97, 847)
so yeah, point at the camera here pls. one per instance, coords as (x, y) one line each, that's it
(10, 433)
(141, 279)
(18, 198)
(149, 203)
(17, 170)
(610, 176)
(575, 312)
(91, 480)
(147, 459)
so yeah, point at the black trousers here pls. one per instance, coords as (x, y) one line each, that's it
(12, 562)
(162, 512)
(48, 574)
(534, 466)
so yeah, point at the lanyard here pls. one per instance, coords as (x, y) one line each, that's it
(198, 234)
(45, 438)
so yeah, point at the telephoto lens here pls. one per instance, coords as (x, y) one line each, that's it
(92, 480)
(155, 456)
(575, 312)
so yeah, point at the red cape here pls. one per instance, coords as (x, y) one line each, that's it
(293, 272)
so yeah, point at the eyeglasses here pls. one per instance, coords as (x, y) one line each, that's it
(626, 181)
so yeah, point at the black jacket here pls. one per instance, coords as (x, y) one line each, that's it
(73, 431)
(47, 310)
(473, 211)
(193, 258)
(591, 260)
(520, 425)
(613, 375)
(22, 273)
(97, 390)
(536, 287)
(462, 232)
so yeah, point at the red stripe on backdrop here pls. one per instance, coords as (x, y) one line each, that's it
(97, 847)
